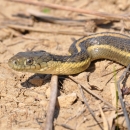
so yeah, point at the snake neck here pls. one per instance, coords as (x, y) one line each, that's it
(63, 65)
(76, 57)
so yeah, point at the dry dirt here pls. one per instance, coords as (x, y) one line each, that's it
(23, 105)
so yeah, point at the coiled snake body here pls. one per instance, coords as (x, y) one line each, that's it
(107, 45)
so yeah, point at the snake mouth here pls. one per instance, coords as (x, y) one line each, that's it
(10, 63)
(14, 64)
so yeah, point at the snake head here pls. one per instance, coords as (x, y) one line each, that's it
(30, 61)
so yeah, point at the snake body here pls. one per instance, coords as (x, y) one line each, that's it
(106, 45)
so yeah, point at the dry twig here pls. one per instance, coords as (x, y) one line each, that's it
(49, 30)
(89, 91)
(52, 103)
(56, 20)
(85, 101)
(123, 76)
(113, 71)
(105, 122)
(65, 21)
(67, 8)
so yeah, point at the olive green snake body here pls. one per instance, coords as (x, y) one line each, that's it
(106, 45)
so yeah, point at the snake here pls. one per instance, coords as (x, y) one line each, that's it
(105, 45)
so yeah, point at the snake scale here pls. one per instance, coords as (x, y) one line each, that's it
(105, 45)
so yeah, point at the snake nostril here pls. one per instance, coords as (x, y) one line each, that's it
(15, 62)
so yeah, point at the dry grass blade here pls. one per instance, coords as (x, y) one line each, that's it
(89, 91)
(52, 103)
(85, 101)
(113, 90)
(49, 30)
(67, 127)
(121, 98)
(105, 123)
(67, 8)
(113, 71)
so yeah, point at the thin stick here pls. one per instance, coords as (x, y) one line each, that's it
(55, 19)
(113, 71)
(67, 8)
(120, 97)
(105, 122)
(87, 105)
(67, 127)
(89, 91)
(49, 30)
(52, 103)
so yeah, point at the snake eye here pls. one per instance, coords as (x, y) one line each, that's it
(29, 61)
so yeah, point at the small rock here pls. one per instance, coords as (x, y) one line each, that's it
(29, 100)
(44, 103)
(21, 105)
(67, 100)
(37, 81)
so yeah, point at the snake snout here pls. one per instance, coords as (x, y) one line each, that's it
(12, 63)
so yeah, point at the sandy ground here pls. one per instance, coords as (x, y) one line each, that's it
(24, 101)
